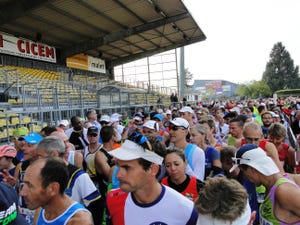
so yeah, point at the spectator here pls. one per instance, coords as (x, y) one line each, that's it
(140, 192)
(281, 205)
(44, 185)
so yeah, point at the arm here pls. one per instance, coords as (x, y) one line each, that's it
(78, 160)
(287, 196)
(7, 178)
(102, 166)
(80, 218)
(291, 161)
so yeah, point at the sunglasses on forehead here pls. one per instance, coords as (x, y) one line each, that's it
(238, 160)
(140, 140)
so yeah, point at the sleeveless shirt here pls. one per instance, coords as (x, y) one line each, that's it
(63, 218)
(266, 209)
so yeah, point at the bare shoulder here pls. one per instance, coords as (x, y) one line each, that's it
(100, 155)
(81, 217)
(295, 178)
(287, 193)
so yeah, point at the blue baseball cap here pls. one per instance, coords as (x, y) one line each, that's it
(158, 116)
(33, 138)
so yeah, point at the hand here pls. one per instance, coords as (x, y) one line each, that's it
(7, 178)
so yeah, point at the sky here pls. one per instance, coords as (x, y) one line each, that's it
(240, 35)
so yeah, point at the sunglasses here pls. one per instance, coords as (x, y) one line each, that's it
(104, 123)
(238, 160)
(251, 139)
(175, 128)
(140, 140)
(93, 135)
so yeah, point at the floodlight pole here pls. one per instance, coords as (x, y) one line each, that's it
(182, 74)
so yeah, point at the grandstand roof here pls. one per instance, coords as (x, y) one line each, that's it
(117, 31)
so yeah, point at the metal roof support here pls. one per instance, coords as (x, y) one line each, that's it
(120, 35)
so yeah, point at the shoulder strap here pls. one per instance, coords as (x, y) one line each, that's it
(188, 151)
(73, 177)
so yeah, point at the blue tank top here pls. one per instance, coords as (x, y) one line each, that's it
(63, 218)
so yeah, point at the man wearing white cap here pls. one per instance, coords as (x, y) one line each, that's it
(63, 125)
(281, 204)
(141, 199)
(187, 113)
(179, 129)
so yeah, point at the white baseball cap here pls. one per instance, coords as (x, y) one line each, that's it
(105, 118)
(151, 124)
(254, 156)
(180, 122)
(168, 112)
(186, 109)
(64, 123)
(130, 151)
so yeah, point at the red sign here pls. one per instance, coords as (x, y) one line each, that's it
(26, 48)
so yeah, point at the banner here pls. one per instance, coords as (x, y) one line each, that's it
(11, 45)
(86, 62)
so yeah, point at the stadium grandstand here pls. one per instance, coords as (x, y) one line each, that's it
(58, 57)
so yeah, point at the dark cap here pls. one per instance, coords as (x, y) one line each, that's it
(230, 115)
(92, 130)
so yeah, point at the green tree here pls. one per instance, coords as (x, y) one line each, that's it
(280, 72)
(254, 89)
(243, 90)
(260, 89)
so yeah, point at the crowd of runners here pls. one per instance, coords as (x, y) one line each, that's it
(215, 162)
